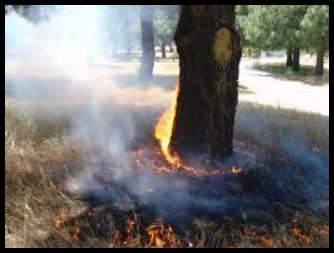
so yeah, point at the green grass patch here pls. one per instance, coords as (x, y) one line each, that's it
(305, 74)
(279, 69)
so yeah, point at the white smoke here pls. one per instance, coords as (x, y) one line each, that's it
(71, 42)
(71, 34)
(46, 61)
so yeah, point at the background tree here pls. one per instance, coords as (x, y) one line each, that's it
(288, 18)
(146, 25)
(242, 12)
(114, 34)
(165, 21)
(315, 31)
(33, 13)
(209, 50)
(124, 33)
(130, 29)
(275, 27)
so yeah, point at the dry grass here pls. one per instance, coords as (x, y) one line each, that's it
(36, 160)
(40, 158)
(274, 123)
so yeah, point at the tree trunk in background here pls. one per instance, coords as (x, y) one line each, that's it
(163, 50)
(210, 52)
(147, 59)
(319, 68)
(289, 57)
(295, 59)
(171, 50)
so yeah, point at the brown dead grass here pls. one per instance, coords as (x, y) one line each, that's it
(39, 212)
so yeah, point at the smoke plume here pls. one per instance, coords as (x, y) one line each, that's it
(65, 59)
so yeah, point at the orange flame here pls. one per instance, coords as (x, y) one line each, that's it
(235, 170)
(161, 236)
(307, 239)
(163, 133)
(164, 128)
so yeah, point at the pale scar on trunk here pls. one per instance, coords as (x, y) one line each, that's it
(222, 46)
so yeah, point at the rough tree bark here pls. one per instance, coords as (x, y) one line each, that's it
(147, 59)
(210, 51)
(319, 68)
(289, 57)
(295, 59)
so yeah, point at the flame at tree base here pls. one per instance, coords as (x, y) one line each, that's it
(164, 129)
(163, 133)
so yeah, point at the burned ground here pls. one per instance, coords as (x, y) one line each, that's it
(279, 198)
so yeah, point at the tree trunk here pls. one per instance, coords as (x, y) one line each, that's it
(289, 57)
(147, 60)
(319, 68)
(171, 50)
(163, 50)
(295, 59)
(210, 52)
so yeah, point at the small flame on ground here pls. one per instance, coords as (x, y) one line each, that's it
(162, 236)
(298, 233)
(236, 170)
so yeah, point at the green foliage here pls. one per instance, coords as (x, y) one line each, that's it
(124, 29)
(273, 27)
(283, 70)
(165, 21)
(305, 74)
(242, 10)
(315, 27)
(33, 13)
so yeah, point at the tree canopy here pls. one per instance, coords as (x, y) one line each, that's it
(165, 20)
(273, 27)
(315, 27)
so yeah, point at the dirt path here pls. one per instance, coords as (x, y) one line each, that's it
(260, 87)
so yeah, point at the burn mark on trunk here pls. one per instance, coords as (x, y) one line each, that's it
(209, 59)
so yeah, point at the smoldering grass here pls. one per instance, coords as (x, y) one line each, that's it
(38, 162)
